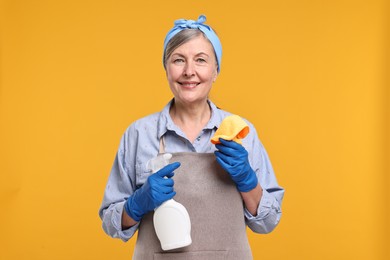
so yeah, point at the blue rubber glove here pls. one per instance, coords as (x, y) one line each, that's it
(152, 193)
(233, 158)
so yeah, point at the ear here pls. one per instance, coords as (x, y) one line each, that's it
(166, 71)
(215, 74)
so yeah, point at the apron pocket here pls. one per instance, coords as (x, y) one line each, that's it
(195, 255)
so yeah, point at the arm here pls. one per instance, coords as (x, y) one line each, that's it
(124, 205)
(269, 212)
(261, 194)
(127, 221)
(111, 211)
(120, 185)
(252, 199)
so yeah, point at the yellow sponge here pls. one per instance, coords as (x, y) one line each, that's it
(232, 128)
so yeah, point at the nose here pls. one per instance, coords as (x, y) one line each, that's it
(189, 69)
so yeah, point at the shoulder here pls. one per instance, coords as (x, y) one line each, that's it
(141, 140)
(144, 123)
(217, 110)
(152, 122)
(142, 127)
(218, 114)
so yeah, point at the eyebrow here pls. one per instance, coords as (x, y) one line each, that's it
(198, 54)
(202, 53)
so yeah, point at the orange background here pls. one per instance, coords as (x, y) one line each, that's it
(313, 76)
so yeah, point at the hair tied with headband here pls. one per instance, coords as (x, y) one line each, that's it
(183, 24)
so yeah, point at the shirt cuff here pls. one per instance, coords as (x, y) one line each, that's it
(264, 208)
(126, 234)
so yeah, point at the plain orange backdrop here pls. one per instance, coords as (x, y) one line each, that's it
(313, 77)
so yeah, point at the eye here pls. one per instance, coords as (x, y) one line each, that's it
(200, 60)
(178, 60)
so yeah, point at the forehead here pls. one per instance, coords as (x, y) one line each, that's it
(195, 45)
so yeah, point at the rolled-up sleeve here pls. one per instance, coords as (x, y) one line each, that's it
(112, 222)
(269, 209)
(120, 185)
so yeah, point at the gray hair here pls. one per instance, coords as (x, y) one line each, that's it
(179, 39)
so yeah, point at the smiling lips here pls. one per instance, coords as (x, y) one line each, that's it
(189, 84)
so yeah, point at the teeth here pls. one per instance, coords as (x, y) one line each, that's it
(190, 85)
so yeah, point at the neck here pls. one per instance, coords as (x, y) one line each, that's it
(185, 114)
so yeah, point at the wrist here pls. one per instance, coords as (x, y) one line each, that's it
(127, 221)
(131, 211)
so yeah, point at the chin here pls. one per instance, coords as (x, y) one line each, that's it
(190, 100)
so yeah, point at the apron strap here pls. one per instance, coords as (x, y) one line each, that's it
(161, 149)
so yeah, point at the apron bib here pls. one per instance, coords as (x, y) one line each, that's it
(215, 206)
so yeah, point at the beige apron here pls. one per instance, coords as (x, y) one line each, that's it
(218, 229)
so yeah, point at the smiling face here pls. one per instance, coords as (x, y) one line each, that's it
(191, 70)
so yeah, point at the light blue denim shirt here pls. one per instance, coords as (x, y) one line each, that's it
(140, 143)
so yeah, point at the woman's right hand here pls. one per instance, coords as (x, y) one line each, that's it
(156, 190)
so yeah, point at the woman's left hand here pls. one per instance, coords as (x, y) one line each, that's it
(233, 158)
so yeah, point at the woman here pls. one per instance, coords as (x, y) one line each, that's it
(245, 191)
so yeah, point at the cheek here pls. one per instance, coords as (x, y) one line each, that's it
(212, 75)
(172, 74)
(169, 75)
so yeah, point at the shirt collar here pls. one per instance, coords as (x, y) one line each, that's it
(165, 122)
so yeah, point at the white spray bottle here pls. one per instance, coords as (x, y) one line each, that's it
(171, 220)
